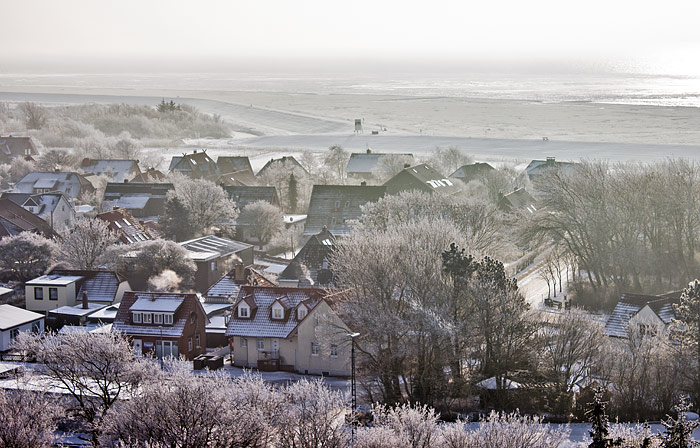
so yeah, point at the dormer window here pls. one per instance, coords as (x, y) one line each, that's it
(243, 312)
(168, 319)
(277, 313)
(136, 317)
(301, 312)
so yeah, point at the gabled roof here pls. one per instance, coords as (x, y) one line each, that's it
(367, 162)
(129, 229)
(11, 316)
(118, 189)
(47, 202)
(197, 165)
(260, 324)
(243, 196)
(423, 178)
(289, 162)
(72, 184)
(11, 147)
(311, 257)
(150, 175)
(474, 171)
(228, 286)
(99, 285)
(519, 199)
(118, 169)
(237, 178)
(210, 247)
(231, 164)
(537, 167)
(333, 206)
(631, 304)
(181, 304)
(14, 219)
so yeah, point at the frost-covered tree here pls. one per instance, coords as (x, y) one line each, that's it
(263, 221)
(35, 116)
(26, 255)
(337, 160)
(175, 222)
(19, 167)
(28, 418)
(56, 159)
(207, 204)
(150, 258)
(686, 328)
(94, 369)
(447, 160)
(88, 245)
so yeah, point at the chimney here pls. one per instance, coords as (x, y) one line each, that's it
(126, 181)
(195, 151)
(369, 151)
(85, 300)
(86, 161)
(363, 183)
(239, 272)
(115, 207)
(406, 165)
(153, 297)
(550, 160)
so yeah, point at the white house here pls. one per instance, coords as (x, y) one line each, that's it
(14, 320)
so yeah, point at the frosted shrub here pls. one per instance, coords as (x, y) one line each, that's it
(403, 426)
(504, 431)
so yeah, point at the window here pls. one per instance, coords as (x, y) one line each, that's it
(244, 342)
(242, 311)
(277, 313)
(213, 265)
(53, 293)
(39, 293)
(314, 349)
(157, 318)
(196, 341)
(136, 318)
(301, 313)
(193, 318)
(347, 204)
(337, 204)
(333, 220)
(189, 344)
(317, 321)
(168, 319)
(334, 351)
(147, 317)
(260, 344)
(647, 330)
(36, 327)
(63, 208)
(14, 333)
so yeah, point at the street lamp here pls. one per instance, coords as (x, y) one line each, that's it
(353, 389)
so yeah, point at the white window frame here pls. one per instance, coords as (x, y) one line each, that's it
(260, 344)
(301, 313)
(334, 350)
(189, 344)
(197, 341)
(212, 265)
(168, 319)
(315, 349)
(241, 310)
(244, 342)
(147, 318)
(136, 317)
(277, 313)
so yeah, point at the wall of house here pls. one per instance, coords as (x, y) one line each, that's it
(198, 327)
(248, 356)
(123, 287)
(330, 331)
(66, 297)
(63, 216)
(5, 339)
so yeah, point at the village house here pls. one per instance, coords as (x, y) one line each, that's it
(473, 171)
(517, 200)
(67, 287)
(291, 329)
(219, 299)
(118, 170)
(54, 208)
(197, 165)
(536, 168)
(14, 220)
(214, 256)
(641, 314)
(130, 231)
(237, 179)
(15, 320)
(73, 185)
(72, 315)
(363, 165)
(310, 266)
(244, 195)
(421, 178)
(13, 147)
(334, 206)
(288, 162)
(145, 201)
(163, 324)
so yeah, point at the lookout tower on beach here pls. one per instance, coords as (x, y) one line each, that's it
(358, 126)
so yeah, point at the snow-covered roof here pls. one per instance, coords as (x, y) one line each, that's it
(11, 316)
(54, 280)
(490, 384)
(208, 247)
(366, 163)
(162, 304)
(151, 330)
(77, 310)
(89, 328)
(107, 313)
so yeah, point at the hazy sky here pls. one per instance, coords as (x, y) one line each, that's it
(175, 30)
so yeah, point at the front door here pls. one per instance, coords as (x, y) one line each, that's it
(138, 349)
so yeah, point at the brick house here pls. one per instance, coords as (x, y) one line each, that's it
(163, 324)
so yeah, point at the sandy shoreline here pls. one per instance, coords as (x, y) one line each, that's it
(436, 116)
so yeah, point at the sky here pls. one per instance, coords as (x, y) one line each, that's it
(178, 33)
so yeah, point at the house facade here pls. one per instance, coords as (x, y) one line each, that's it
(638, 314)
(163, 324)
(64, 287)
(13, 147)
(311, 265)
(14, 220)
(292, 329)
(14, 321)
(143, 200)
(334, 206)
(71, 184)
(422, 178)
(118, 170)
(54, 208)
(197, 165)
(364, 165)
